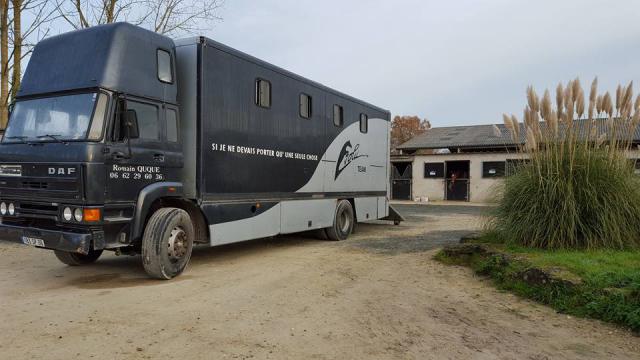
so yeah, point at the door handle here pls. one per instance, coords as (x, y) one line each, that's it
(158, 157)
(118, 156)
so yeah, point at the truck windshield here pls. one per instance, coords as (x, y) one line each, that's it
(56, 118)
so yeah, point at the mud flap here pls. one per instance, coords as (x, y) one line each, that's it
(394, 216)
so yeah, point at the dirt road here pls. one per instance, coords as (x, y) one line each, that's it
(378, 295)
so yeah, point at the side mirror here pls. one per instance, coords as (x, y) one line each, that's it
(130, 124)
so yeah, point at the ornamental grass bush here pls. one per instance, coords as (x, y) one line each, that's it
(578, 189)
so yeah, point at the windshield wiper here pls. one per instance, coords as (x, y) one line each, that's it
(51, 136)
(21, 138)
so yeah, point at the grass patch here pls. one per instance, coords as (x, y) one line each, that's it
(600, 284)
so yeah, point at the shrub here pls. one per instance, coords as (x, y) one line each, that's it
(578, 189)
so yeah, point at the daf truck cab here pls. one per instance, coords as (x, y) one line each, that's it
(92, 146)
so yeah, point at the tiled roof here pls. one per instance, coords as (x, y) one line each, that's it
(483, 136)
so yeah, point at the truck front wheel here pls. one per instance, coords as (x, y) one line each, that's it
(76, 259)
(167, 243)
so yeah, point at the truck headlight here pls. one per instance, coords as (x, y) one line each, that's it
(12, 209)
(67, 214)
(77, 214)
(3, 208)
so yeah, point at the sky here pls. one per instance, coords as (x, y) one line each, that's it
(457, 62)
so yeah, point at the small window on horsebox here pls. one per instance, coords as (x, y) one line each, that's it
(263, 93)
(165, 74)
(364, 123)
(338, 115)
(305, 106)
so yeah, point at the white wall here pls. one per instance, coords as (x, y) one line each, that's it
(480, 189)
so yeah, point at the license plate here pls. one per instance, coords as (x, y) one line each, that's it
(27, 240)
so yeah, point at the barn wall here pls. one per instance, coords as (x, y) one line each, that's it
(481, 189)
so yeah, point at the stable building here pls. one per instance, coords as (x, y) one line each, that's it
(460, 163)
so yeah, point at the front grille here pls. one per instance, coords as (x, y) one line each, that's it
(37, 210)
(44, 182)
(34, 188)
(35, 185)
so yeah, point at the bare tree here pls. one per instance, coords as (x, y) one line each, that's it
(4, 61)
(162, 16)
(25, 22)
(17, 39)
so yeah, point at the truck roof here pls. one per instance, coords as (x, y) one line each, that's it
(119, 56)
(222, 47)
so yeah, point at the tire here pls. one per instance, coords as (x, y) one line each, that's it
(321, 234)
(77, 259)
(343, 222)
(167, 243)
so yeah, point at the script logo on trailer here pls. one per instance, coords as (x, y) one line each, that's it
(347, 155)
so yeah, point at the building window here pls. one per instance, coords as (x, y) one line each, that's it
(338, 115)
(305, 106)
(364, 123)
(165, 74)
(493, 169)
(172, 125)
(263, 93)
(434, 170)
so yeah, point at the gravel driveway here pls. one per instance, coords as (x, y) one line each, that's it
(379, 295)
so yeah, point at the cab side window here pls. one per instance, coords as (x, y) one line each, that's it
(148, 123)
(172, 125)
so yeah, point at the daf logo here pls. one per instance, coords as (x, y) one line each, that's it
(61, 171)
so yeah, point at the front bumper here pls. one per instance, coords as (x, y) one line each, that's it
(64, 240)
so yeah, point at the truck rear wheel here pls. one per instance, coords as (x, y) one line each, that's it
(167, 243)
(343, 222)
(77, 259)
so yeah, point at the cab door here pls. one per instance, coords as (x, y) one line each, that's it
(134, 163)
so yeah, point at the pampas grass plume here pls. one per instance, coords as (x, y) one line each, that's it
(496, 131)
(532, 98)
(559, 99)
(516, 128)
(546, 104)
(594, 90)
(553, 123)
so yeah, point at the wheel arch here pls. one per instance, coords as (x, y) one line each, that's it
(353, 207)
(167, 194)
